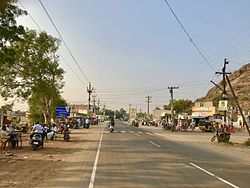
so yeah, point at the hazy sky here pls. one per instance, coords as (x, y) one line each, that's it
(132, 48)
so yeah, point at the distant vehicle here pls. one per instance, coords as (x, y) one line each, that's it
(135, 123)
(206, 126)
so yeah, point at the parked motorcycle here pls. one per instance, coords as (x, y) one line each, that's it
(13, 140)
(135, 123)
(66, 136)
(221, 136)
(36, 141)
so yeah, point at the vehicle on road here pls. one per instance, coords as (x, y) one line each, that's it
(206, 126)
(66, 136)
(135, 123)
(221, 136)
(111, 128)
(36, 141)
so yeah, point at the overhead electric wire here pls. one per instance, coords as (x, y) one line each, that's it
(189, 36)
(44, 8)
(30, 16)
(71, 69)
(58, 52)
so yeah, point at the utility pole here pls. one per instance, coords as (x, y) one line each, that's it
(94, 100)
(104, 106)
(171, 90)
(89, 90)
(224, 93)
(148, 101)
(98, 103)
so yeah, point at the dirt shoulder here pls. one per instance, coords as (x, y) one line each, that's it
(46, 166)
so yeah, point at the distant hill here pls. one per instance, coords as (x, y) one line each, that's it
(240, 81)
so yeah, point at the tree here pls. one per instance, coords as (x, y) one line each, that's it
(44, 78)
(10, 33)
(36, 107)
(5, 108)
(181, 106)
(109, 113)
(36, 73)
(120, 113)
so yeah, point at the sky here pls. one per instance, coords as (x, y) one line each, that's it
(129, 49)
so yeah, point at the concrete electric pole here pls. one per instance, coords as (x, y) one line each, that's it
(148, 101)
(224, 93)
(94, 100)
(171, 90)
(89, 90)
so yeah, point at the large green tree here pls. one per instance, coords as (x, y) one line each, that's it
(39, 72)
(181, 106)
(120, 113)
(29, 64)
(10, 33)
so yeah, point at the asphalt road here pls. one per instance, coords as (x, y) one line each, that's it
(138, 158)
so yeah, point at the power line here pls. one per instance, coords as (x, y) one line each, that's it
(44, 8)
(58, 52)
(71, 69)
(30, 16)
(188, 35)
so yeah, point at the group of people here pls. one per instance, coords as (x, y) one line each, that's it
(9, 136)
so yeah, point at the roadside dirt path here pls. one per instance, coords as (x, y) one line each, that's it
(52, 165)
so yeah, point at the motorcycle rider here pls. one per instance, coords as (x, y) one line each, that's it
(112, 122)
(37, 129)
(112, 125)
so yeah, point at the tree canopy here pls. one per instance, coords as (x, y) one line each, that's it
(29, 65)
(10, 33)
(181, 106)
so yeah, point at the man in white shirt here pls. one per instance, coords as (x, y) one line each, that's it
(37, 128)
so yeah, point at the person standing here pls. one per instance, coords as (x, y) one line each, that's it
(4, 137)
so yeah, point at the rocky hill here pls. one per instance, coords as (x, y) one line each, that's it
(240, 81)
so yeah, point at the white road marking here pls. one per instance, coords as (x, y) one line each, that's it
(149, 133)
(131, 131)
(92, 179)
(123, 131)
(217, 177)
(136, 134)
(139, 132)
(154, 144)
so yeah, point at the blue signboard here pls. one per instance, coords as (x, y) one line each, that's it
(62, 111)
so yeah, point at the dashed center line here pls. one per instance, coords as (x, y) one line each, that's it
(154, 143)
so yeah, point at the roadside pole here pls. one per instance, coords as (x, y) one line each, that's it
(148, 101)
(224, 93)
(171, 90)
(89, 90)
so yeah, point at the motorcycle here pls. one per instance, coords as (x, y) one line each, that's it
(66, 136)
(111, 128)
(135, 123)
(36, 141)
(221, 136)
(13, 140)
